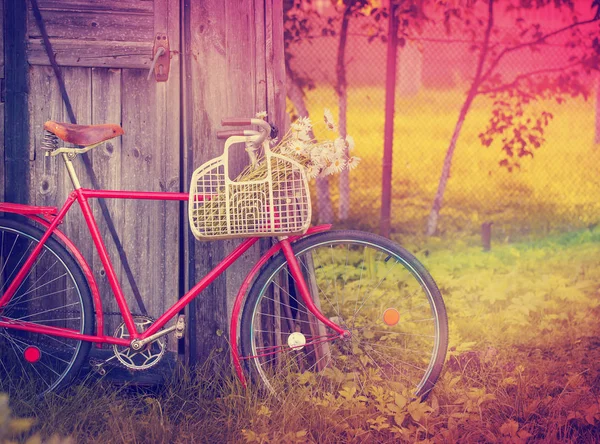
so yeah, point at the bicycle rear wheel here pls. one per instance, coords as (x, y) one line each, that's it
(54, 293)
(365, 283)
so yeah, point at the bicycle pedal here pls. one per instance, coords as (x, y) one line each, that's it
(98, 366)
(180, 327)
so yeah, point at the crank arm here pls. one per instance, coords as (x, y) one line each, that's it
(179, 327)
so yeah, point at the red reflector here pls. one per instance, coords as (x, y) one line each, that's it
(32, 354)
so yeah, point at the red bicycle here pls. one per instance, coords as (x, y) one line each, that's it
(320, 307)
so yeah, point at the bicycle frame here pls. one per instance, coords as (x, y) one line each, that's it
(51, 218)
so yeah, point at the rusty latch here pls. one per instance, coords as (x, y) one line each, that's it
(161, 58)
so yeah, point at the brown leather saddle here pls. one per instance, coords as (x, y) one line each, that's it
(84, 135)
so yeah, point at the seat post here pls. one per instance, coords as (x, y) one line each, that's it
(71, 170)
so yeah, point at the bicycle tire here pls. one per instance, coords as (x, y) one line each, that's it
(54, 293)
(404, 354)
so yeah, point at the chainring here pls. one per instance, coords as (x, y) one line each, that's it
(148, 356)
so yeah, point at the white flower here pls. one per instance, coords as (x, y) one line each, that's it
(350, 142)
(336, 166)
(329, 122)
(315, 156)
(312, 171)
(261, 115)
(353, 162)
(303, 135)
(274, 141)
(296, 147)
(339, 145)
(305, 122)
(302, 124)
(322, 153)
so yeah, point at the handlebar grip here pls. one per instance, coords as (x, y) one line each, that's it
(236, 121)
(229, 133)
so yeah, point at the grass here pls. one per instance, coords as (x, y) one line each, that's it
(524, 358)
(523, 366)
(554, 191)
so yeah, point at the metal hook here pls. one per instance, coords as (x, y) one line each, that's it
(160, 51)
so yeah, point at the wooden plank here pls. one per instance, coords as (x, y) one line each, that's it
(78, 83)
(45, 104)
(16, 134)
(2, 39)
(166, 124)
(227, 77)
(100, 54)
(2, 176)
(241, 27)
(111, 6)
(106, 161)
(150, 230)
(274, 66)
(94, 25)
(206, 33)
(187, 135)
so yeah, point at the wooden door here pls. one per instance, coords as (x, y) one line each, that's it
(104, 49)
(235, 69)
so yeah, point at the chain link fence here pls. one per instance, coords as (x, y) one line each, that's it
(556, 189)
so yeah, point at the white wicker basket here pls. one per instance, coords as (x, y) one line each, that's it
(277, 204)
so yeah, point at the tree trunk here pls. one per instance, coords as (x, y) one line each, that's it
(479, 77)
(439, 195)
(342, 91)
(388, 142)
(296, 96)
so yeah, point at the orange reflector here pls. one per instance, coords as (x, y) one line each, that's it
(391, 316)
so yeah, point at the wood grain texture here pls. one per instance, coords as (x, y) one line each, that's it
(16, 131)
(106, 162)
(94, 25)
(109, 6)
(227, 77)
(146, 158)
(150, 228)
(102, 54)
(2, 174)
(94, 33)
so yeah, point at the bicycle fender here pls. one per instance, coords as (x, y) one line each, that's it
(239, 299)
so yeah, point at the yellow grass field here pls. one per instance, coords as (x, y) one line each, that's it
(556, 190)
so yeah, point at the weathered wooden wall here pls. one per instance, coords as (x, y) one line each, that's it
(104, 50)
(232, 66)
(236, 69)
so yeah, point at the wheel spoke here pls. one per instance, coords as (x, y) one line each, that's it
(49, 295)
(357, 276)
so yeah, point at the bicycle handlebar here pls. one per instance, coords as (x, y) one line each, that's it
(236, 121)
(244, 121)
(230, 133)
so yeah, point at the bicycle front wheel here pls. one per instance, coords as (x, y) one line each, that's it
(54, 293)
(368, 285)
